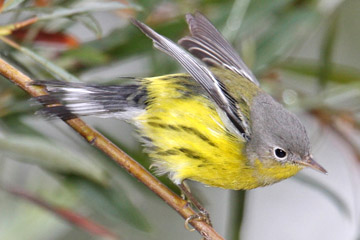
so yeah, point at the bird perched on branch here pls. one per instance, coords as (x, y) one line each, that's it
(212, 124)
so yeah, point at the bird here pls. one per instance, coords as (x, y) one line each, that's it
(212, 124)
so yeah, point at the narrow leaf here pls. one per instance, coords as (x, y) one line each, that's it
(327, 49)
(53, 157)
(11, 4)
(290, 30)
(85, 55)
(235, 19)
(14, 123)
(68, 215)
(91, 23)
(306, 67)
(86, 8)
(49, 66)
(256, 17)
(111, 202)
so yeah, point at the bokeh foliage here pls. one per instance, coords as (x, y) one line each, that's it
(82, 179)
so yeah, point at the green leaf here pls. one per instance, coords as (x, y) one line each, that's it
(86, 8)
(91, 23)
(35, 223)
(74, 218)
(339, 73)
(111, 202)
(257, 17)
(327, 49)
(290, 30)
(49, 66)
(235, 19)
(125, 43)
(15, 106)
(11, 4)
(53, 157)
(85, 55)
(14, 123)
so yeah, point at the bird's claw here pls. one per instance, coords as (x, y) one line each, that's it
(200, 216)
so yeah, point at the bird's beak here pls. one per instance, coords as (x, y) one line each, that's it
(309, 162)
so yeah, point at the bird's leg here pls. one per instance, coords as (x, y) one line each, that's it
(202, 214)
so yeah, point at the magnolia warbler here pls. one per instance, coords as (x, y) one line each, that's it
(212, 124)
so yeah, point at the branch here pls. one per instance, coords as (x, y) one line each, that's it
(104, 145)
(8, 29)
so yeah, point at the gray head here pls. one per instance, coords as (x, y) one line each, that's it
(278, 135)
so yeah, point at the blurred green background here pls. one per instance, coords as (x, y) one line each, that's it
(306, 53)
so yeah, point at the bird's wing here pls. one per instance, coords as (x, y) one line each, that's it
(207, 44)
(234, 119)
(83, 99)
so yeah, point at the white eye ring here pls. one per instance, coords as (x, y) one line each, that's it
(280, 153)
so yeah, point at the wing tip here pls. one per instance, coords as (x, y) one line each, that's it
(136, 22)
(193, 20)
(148, 31)
(189, 17)
(196, 15)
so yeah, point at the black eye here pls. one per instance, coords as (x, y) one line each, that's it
(280, 153)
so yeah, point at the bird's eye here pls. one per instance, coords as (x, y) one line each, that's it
(280, 153)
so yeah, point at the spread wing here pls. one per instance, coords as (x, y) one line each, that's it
(234, 119)
(207, 44)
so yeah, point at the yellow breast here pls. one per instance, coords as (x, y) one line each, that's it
(187, 139)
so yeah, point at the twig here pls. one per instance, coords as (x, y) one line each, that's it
(103, 144)
(8, 29)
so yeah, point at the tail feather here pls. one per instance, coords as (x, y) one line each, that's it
(91, 100)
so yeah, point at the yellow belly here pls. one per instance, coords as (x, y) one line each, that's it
(187, 139)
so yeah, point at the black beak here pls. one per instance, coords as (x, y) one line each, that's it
(309, 162)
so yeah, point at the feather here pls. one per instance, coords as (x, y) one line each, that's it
(207, 44)
(202, 75)
(87, 99)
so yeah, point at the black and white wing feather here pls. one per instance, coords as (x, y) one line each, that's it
(82, 99)
(207, 44)
(203, 76)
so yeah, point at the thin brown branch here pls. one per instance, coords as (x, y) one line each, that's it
(8, 29)
(10, 42)
(103, 144)
(24, 23)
